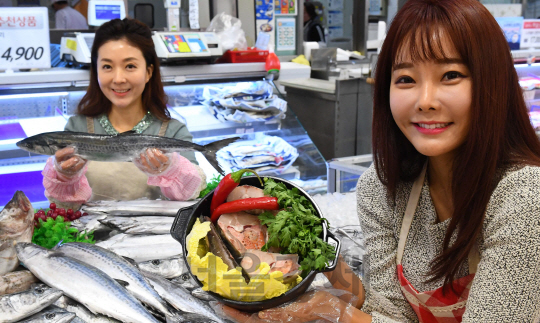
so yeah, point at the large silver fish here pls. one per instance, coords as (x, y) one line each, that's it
(117, 268)
(83, 314)
(90, 223)
(51, 314)
(16, 281)
(117, 148)
(180, 298)
(18, 306)
(136, 207)
(167, 268)
(16, 225)
(140, 224)
(143, 247)
(86, 284)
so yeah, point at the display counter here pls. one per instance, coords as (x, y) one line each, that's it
(42, 101)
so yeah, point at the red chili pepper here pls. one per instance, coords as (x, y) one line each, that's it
(225, 187)
(264, 203)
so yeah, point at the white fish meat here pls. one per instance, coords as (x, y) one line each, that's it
(16, 225)
(51, 314)
(21, 305)
(140, 224)
(286, 263)
(117, 268)
(180, 298)
(83, 314)
(143, 248)
(86, 284)
(136, 207)
(241, 231)
(168, 268)
(16, 281)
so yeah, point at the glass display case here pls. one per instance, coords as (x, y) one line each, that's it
(29, 109)
(343, 173)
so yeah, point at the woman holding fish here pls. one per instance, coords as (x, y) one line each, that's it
(125, 94)
(450, 209)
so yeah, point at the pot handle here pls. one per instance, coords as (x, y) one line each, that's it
(180, 222)
(338, 249)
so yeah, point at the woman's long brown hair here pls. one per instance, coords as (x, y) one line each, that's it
(154, 99)
(500, 134)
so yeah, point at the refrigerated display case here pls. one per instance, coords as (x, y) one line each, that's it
(38, 102)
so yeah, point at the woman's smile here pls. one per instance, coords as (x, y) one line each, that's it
(432, 128)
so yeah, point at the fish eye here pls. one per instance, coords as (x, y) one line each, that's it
(50, 316)
(185, 277)
(156, 262)
(39, 290)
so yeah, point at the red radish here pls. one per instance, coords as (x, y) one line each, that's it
(52, 206)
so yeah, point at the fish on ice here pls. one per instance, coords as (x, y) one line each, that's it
(136, 207)
(167, 268)
(117, 268)
(86, 284)
(51, 314)
(140, 224)
(83, 314)
(180, 298)
(123, 147)
(15, 307)
(143, 247)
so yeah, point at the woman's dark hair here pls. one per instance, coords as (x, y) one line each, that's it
(139, 35)
(500, 133)
(310, 9)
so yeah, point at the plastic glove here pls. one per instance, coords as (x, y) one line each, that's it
(315, 305)
(67, 163)
(152, 161)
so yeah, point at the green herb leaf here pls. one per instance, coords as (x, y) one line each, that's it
(49, 233)
(296, 229)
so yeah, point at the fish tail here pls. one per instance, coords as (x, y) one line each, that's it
(211, 149)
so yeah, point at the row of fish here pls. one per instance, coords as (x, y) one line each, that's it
(117, 289)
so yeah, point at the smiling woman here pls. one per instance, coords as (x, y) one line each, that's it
(125, 94)
(450, 208)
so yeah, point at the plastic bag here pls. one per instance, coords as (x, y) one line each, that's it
(229, 30)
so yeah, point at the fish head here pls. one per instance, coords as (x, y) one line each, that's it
(16, 217)
(45, 294)
(27, 251)
(54, 314)
(42, 144)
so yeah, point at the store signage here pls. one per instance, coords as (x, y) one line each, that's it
(530, 34)
(24, 38)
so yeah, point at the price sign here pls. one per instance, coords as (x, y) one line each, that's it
(24, 38)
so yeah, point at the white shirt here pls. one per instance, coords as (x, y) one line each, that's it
(69, 18)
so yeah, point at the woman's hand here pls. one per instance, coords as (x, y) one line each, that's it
(152, 161)
(67, 162)
(309, 307)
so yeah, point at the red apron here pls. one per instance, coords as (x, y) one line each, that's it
(432, 306)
